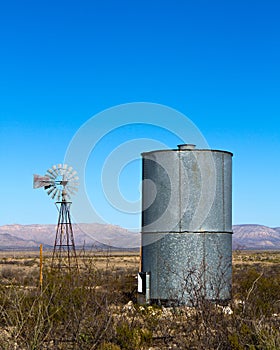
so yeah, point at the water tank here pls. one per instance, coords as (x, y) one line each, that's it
(186, 248)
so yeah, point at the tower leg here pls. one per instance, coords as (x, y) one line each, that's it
(64, 251)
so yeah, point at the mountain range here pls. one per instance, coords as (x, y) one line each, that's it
(96, 236)
(102, 236)
(256, 237)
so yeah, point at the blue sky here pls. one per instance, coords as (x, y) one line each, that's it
(62, 62)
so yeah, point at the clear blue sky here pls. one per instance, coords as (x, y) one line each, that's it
(215, 61)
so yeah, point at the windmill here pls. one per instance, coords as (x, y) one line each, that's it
(60, 183)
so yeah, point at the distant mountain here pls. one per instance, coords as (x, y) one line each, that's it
(8, 241)
(102, 236)
(256, 237)
(86, 235)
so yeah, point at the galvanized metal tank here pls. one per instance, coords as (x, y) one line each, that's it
(186, 250)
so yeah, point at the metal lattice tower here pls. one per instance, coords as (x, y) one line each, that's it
(60, 182)
(64, 251)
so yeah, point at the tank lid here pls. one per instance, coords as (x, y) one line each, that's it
(187, 146)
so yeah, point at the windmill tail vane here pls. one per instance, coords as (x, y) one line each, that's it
(41, 181)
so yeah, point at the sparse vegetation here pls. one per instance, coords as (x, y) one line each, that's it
(96, 309)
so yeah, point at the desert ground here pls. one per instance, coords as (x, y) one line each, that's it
(97, 309)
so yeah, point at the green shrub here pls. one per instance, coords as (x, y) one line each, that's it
(131, 338)
(108, 346)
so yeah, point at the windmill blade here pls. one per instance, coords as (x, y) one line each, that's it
(54, 193)
(72, 174)
(73, 183)
(72, 188)
(73, 178)
(70, 194)
(72, 191)
(61, 171)
(68, 171)
(54, 171)
(55, 168)
(51, 173)
(51, 190)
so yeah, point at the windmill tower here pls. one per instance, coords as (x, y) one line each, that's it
(60, 182)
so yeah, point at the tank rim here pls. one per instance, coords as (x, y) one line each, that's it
(143, 154)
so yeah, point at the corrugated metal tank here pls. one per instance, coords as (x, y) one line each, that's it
(186, 249)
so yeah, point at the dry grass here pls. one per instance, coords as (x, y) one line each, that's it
(94, 310)
(255, 257)
(26, 261)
